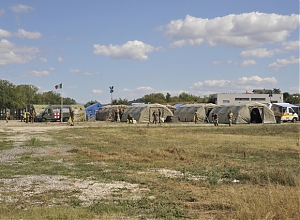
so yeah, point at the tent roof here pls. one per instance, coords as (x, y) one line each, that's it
(285, 105)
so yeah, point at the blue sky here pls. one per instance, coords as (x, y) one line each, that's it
(140, 47)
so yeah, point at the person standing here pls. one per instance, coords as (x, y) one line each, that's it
(33, 114)
(159, 116)
(196, 117)
(120, 114)
(154, 115)
(7, 116)
(215, 119)
(230, 117)
(71, 119)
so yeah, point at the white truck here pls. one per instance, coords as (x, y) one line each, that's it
(284, 112)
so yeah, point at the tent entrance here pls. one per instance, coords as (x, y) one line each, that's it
(256, 115)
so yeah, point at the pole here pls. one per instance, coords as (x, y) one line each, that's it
(61, 105)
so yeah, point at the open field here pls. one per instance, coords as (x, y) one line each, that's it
(104, 170)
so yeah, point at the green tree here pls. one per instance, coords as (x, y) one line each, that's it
(276, 91)
(189, 98)
(154, 98)
(120, 102)
(168, 97)
(92, 102)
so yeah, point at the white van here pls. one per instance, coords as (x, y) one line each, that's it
(284, 111)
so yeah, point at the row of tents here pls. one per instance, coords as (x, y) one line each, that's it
(142, 113)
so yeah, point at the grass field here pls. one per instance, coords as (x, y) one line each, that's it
(169, 171)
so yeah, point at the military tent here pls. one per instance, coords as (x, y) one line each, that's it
(186, 112)
(143, 113)
(107, 112)
(244, 113)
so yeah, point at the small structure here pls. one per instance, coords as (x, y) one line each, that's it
(244, 113)
(91, 111)
(143, 113)
(185, 113)
(244, 98)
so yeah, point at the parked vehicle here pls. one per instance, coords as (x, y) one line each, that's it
(284, 112)
(54, 113)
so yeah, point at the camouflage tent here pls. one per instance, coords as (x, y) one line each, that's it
(142, 113)
(244, 113)
(107, 112)
(79, 112)
(186, 112)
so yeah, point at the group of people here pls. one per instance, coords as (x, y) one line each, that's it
(118, 113)
(28, 116)
(157, 116)
(215, 118)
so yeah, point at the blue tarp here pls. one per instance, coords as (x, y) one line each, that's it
(285, 105)
(91, 110)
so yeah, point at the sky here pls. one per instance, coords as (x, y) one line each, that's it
(140, 47)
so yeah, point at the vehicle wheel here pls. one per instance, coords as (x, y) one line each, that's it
(43, 120)
(294, 120)
(65, 119)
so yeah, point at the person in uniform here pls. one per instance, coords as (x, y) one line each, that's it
(129, 119)
(196, 117)
(154, 116)
(71, 119)
(7, 116)
(215, 119)
(230, 117)
(159, 116)
(33, 114)
(28, 115)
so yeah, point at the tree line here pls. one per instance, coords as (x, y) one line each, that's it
(19, 96)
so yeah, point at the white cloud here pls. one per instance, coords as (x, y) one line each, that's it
(60, 59)
(52, 68)
(74, 71)
(291, 45)
(4, 33)
(242, 30)
(135, 50)
(26, 34)
(248, 63)
(21, 8)
(239, 85)
(256, 80)
(97, 91)
(43, 59)
(38, 73)
(259, 52)
(2, 12)
(217, 62)
(138, 92)
(10, 53)
(284, 62)
(145, 89)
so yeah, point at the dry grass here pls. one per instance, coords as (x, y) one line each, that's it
(182, 171)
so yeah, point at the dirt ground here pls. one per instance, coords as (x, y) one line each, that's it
(27, 188)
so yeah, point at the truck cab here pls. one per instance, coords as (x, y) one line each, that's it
(53, 113)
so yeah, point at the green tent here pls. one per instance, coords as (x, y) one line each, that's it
(186, 112)
(244, 113)
(142, 113)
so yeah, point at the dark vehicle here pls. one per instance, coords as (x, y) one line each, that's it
(53, 113)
